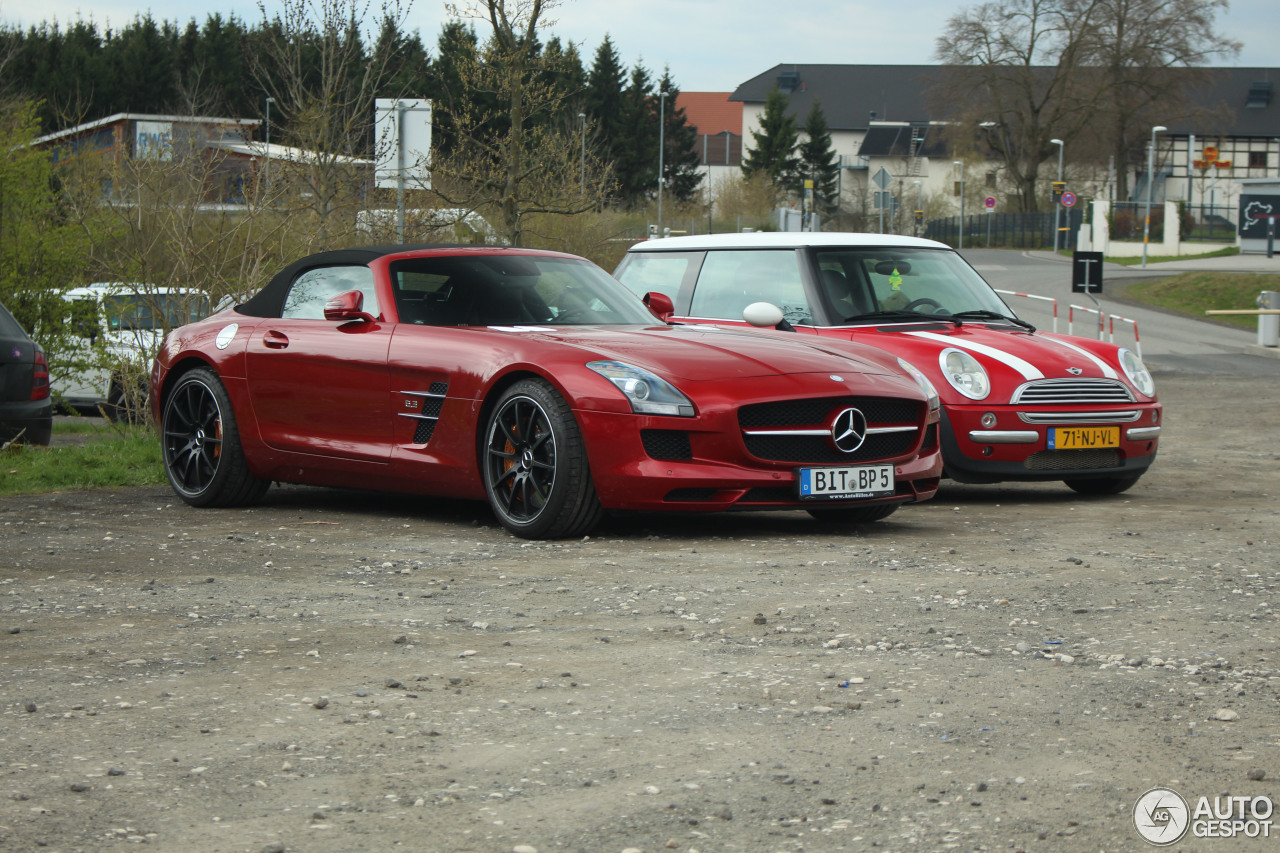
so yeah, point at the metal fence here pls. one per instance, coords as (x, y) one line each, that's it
(1197, 222)
(1008, 230)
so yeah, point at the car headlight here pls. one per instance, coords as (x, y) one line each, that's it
(965, 373)
(1137, 372)
(648, 393)
(923, 382)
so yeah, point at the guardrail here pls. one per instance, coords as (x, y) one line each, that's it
(1033, 296)
(1103, 319)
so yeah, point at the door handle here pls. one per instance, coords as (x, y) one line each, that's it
(275, 340)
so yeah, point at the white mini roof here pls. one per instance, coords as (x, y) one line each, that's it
(781, 240)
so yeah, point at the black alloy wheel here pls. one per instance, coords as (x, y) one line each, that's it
(202, 454)
(535, 465)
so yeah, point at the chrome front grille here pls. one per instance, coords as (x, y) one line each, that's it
(800, 430)
(1072, 392)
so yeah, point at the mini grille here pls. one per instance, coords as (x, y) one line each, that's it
(817, 448)
(666, 443)
(1072, 392)
(818, 411)
(422, 434)
(1072, 460)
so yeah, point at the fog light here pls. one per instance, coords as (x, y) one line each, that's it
(989, 420)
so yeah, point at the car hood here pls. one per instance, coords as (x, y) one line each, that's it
(702, 353)
(1023, 356)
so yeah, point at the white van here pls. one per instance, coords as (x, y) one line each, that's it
(120, 327)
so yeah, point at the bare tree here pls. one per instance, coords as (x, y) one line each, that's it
(1081, 71)
(313, 63)
(519, 151)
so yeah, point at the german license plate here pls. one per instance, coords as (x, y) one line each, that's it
(1083, 438)
(865, 481)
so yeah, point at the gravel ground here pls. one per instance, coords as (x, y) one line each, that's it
(1001, 668)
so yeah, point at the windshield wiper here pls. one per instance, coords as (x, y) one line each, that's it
(992, 315)
(876, 316)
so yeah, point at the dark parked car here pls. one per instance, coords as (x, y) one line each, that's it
(26, 412)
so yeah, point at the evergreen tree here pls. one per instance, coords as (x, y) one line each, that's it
(636, 148)
(818, 161)
(680, 155)
(456, 52)
(774, 144)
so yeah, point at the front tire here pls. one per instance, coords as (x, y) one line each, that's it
(1102, 486)
(535, 465)
(201, 444)
(855, 515)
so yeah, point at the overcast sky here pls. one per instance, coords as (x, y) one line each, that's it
(710, 45)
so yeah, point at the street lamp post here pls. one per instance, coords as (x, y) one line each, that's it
(961, 165)
(582, 181)
(662, 115)
(267, 170)
(1151, 179)
(915, 226)
(1057, 202)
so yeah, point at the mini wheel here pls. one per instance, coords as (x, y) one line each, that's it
(535, 465)
(201, 443)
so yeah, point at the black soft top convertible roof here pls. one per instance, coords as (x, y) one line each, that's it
(269, 301)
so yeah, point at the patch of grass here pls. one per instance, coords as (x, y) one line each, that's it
(129, 456)
(80, 426)
(1157, 259)
(1193, 293)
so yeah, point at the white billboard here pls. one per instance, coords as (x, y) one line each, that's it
(153, 140)
(403, 142)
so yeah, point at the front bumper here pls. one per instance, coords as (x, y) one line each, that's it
(1017, 448)
(718, 473)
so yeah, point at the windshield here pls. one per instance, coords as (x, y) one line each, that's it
(502, 290)
(137, 312)
(932, 282)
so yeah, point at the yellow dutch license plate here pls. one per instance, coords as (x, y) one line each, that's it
(1083, 438)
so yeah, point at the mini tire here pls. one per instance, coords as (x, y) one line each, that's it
(535, 467)
(1101, 486)
(200, 441)
(854, 515)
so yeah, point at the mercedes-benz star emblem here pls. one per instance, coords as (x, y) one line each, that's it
(849, 430)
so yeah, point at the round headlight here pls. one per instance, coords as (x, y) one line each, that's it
(1137, 372)
(965, 373)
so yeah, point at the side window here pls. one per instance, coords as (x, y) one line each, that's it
(311, 290)
(655, 272)
(730, 281)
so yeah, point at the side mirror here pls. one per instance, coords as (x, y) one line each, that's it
(764, 315)
(346, 307)
(660, 305)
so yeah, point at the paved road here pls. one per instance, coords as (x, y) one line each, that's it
(1168, 342)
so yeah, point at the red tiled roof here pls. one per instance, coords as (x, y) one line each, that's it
(711, 112)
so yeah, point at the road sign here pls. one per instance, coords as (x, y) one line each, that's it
(1068, 199)
(882, 178)
(1086, 272)
(990, 202)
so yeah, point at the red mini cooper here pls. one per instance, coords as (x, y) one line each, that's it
(1018, 404)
